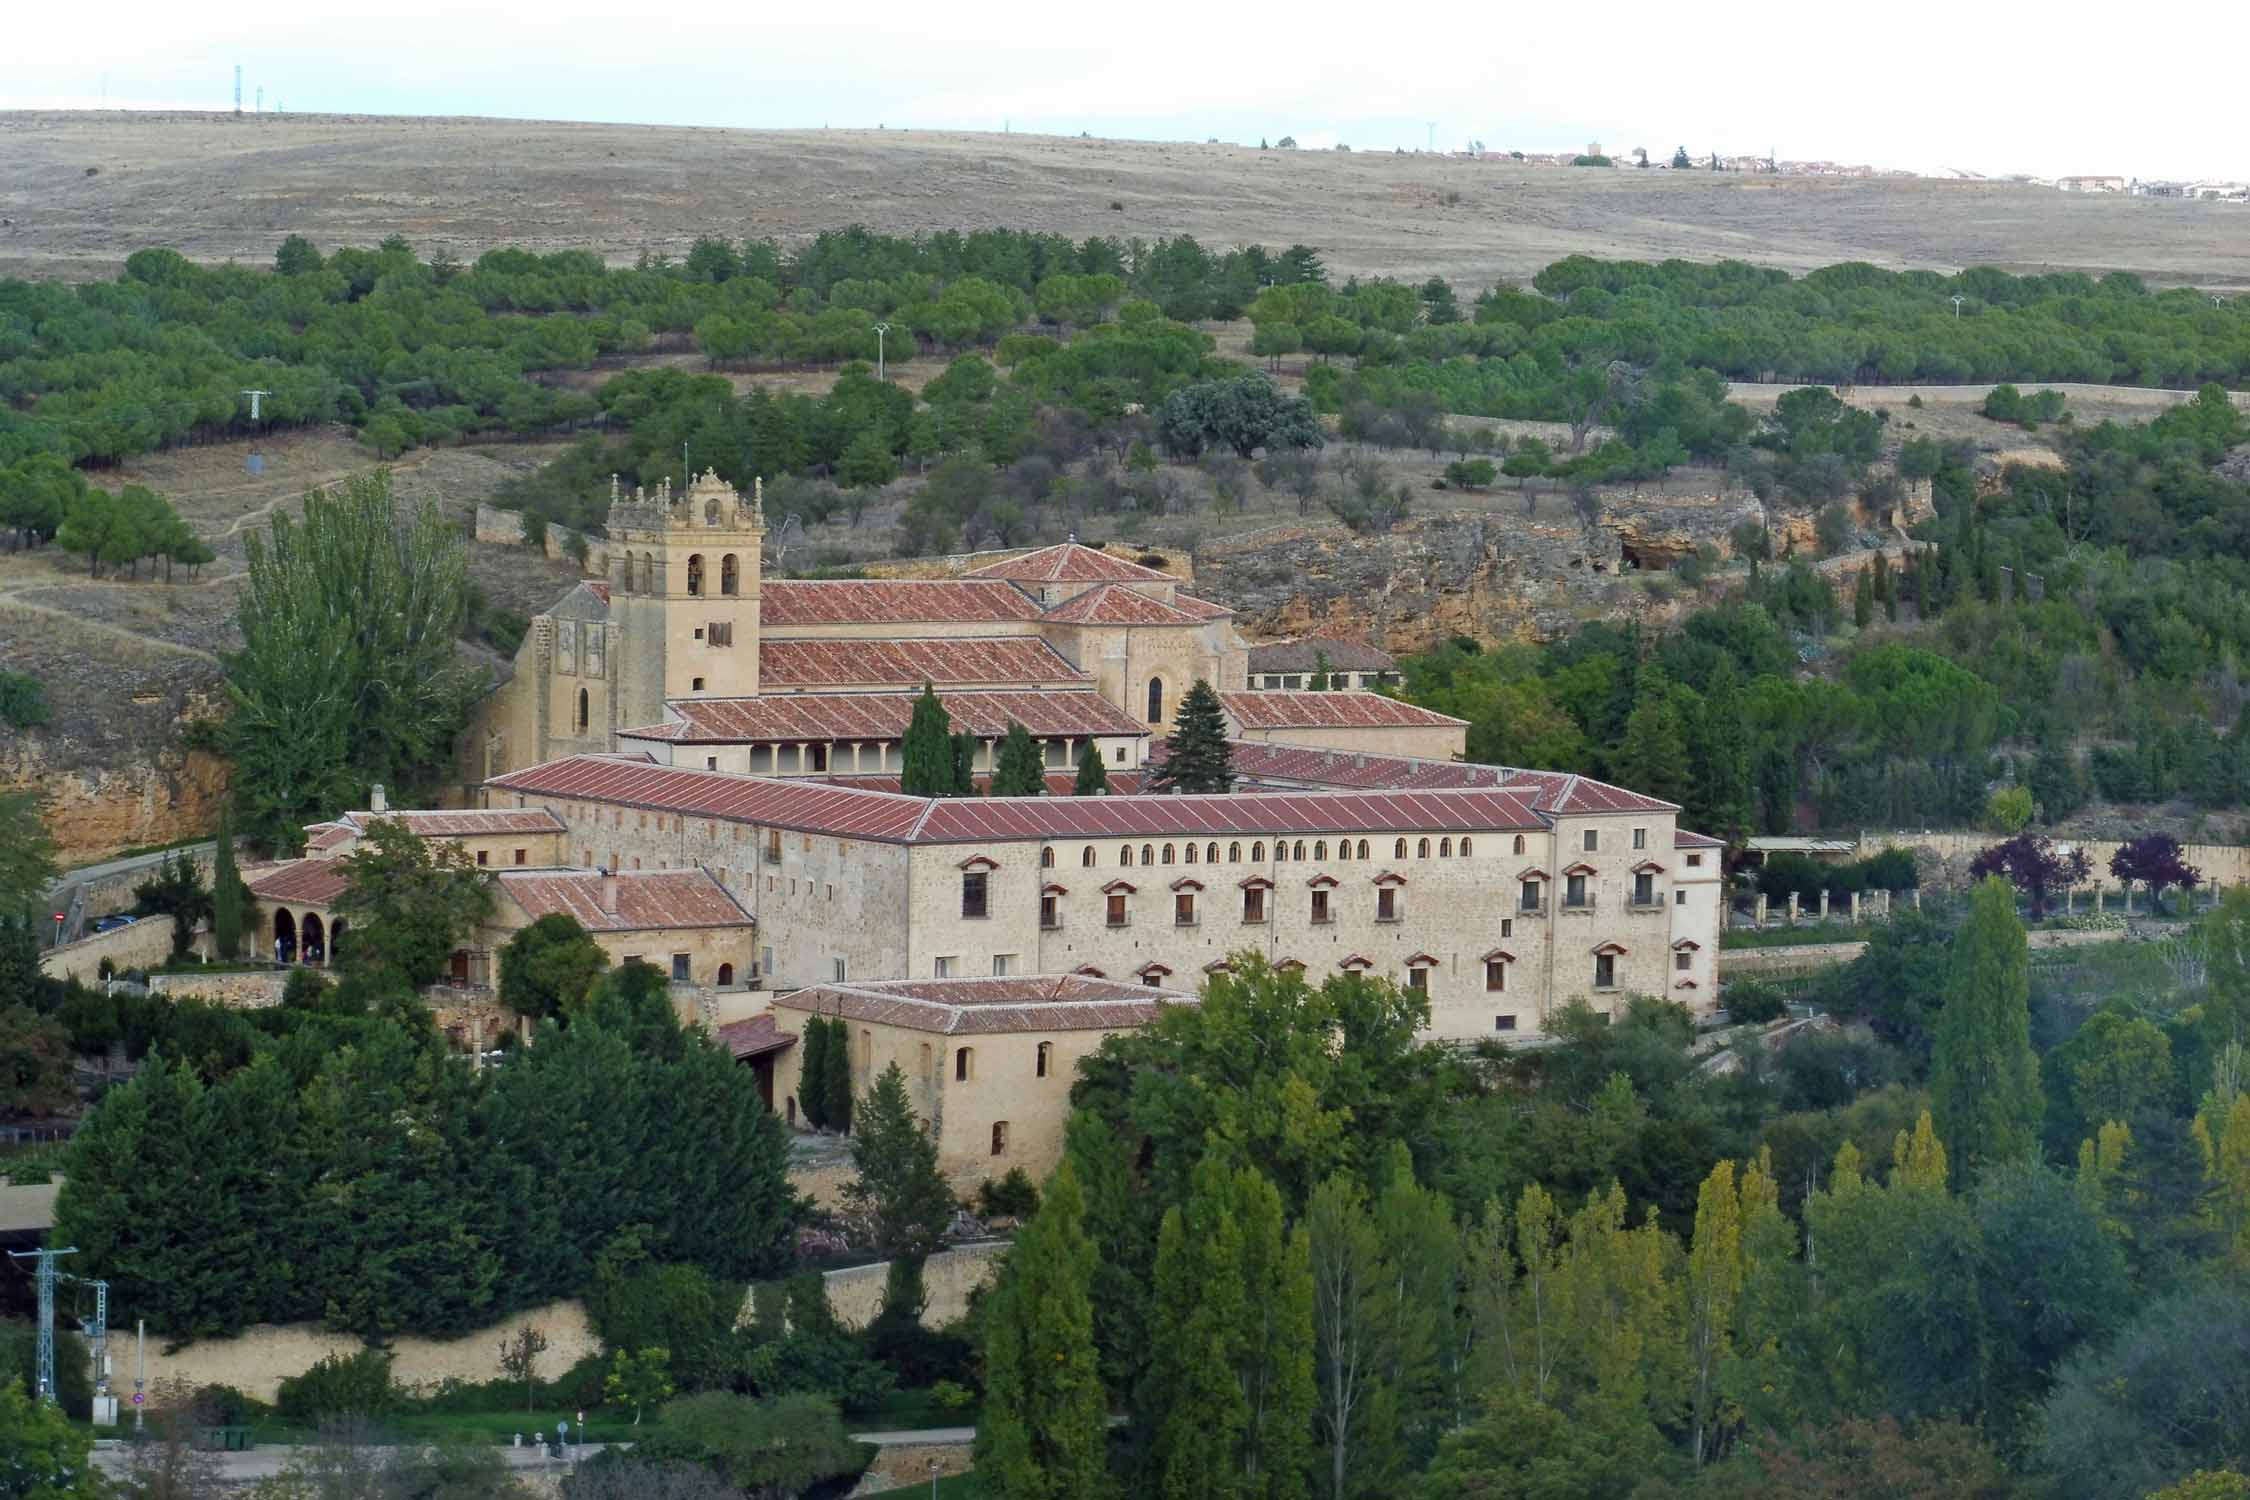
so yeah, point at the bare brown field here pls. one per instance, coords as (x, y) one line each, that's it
(80, 190)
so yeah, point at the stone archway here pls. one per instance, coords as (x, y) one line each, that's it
(312, 939)
(284, 937)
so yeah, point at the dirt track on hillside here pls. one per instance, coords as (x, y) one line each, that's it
(219, 187)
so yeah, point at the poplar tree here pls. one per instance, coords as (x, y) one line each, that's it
(1714, 1282)
(926, 751)
(1198, 759)
(1984, 1077)
(226, 892)
(1018, 771)
(1093, 775)
(1045, 1432)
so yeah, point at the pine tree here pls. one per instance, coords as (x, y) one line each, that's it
(896, 1181)
(1045, 1433)
(226, 892)
(1984, 1077)
(1018, 771)
(1720, 799)
(1198, 759)
(1863, 600)
(1093, 774)
(926, 750)
(1652, 755)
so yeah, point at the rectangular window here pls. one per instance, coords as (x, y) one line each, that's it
(1503, 1023)
(1593, 840)
(838, 972)
(483, 856)
(1507, 927)
(1386, 904)
(679, 968)
(773, 846)
(973, 891)
(1683, 961)
(710, 762)
(1640, 838)
(1605, 971)
(1695, 861)
(1003, 964)
(941, 968)
(1495, 974)
(1050, 915)
(1320, 906)
(1183, 909)
(1117, 908)
(1644, 889)
(695, 684)
(1679, 898)
(519, 856)
(1530, 900)
(1254, 904)
(1418, 978)
(1574, 892)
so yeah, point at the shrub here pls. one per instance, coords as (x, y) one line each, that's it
(1749, 1001)
(342, 1385)
(1011, 1197)
(22, 703)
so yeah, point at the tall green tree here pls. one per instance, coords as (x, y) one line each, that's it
(27, 851)
(1984, 1077)
(42, 1456)
(1093, 775)
(926, 750)
(1018, 770)
(1045, 1430)
(546, 968)
(896, 1182)
(1197, 758)
(816, 1058)
(410, 901)
(229, 897)
(1652, 756)
(348, 673)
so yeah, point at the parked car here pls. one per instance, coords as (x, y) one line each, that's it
(111, 924)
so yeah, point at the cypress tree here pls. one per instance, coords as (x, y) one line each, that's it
(1652, 755)
(1984, 1077)
(1045, 1433)
(836, 1081)
(1019, 772)
(964, 749)
(927, 749)
(1199, 759)
(1093, 775)
(1863, 601)
(812, 1073)
(226, 892)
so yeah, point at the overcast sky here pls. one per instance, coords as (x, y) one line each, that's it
(1991, 87)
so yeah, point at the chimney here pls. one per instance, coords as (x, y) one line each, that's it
(609, 893)
(376, 801)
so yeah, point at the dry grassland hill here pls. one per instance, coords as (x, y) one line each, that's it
(79, 191)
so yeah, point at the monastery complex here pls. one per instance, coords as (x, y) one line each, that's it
(702, 767)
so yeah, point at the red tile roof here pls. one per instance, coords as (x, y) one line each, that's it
(821, 807)
(1348, 710)
(1560, 792)
(598, 590)
(953, 1007)
(1682, 839)
(884, 716)
(1059, 783)
(315, 882)
(647, 900)
(1304, 654)
(320, 836)
(1567, 794)
(910, 663)
(753, 1036)
(1068, 562)
(1116, 604)
(889, 601)
(453, 823)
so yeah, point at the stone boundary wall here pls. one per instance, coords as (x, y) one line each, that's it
(856, 1292)
(2221, 864)
(249, 989)
(143, 944)
(898, 1465)
(504, 528)
(1739, 963)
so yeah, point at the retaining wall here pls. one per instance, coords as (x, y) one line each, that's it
(2221, 864)
(948, 1277)
(252, 989)
(142, 945)
(504, 528)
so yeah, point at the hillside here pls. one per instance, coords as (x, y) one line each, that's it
(80, 190)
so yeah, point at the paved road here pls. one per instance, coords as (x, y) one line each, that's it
(114, 1458)
(917, 1437)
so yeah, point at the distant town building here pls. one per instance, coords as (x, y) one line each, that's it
(2091, 184)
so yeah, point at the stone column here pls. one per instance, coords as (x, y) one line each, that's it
(2097, 898)
(1792, 908)
(1917, 898)
(1824, 904)
(1760, 908)
(1851, 907)
(2070, 896)
(2127, 885)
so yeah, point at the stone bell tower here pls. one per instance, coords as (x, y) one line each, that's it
(683, 581)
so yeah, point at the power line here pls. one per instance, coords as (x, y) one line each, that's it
(45, 1272)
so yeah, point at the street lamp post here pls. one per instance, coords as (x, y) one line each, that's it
(933, 1479)
(880, 330)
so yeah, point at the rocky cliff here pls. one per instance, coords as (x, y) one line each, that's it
(123, 779)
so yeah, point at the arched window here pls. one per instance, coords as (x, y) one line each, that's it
(1148, 855)
(1210, 854)
(1125, 855)
(926, 1077)
(1519, 843)
(1298, 850)
(1398, 850)
(730, 575)
(1445, 849)
(1234, 854)
(1086, 860)
(726, 975)
(1363, 848)
(1343, 848)
(1156, 700)
(964, 1064)
(1046, 859)
(1167, 854)
(1464, 846)
(648, 573)
(1280, 849)
(1190, 859)
(999, 1137)
(584, 717)
(1258, 853)
(695, 574)
(1422, 849)
(711, 512)
(1046, 1057)
(1320, 849)
(866, 1052)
